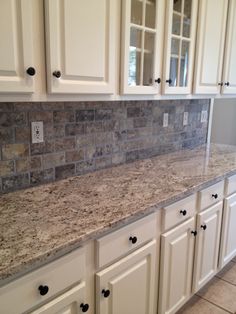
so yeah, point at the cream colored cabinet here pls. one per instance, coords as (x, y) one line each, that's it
(17, 69)
(207, 245)
(210, 46)
(129, 285)
(181, 22)
(81, 46)
(228, 239)
(177, 249)
(142, 45)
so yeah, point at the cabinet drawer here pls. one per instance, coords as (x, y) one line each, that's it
(230, 185)
(57, 276)
(211, 195)
(176, 213)
(118, 243)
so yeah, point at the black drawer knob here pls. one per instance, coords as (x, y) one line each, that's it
(31, 71)
(106, 293)
(158, 81)
(183, 212)
(204, 227)
(215, 196)
(133, 239)
(169, 81)
(227, 84)
(43, 290)
(84, 307)
(194, 233)
(57, 74)
(221, 84)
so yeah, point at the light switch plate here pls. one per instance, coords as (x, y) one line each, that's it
(37, 132)
(204, 116)
(185, 118)
(165, 120)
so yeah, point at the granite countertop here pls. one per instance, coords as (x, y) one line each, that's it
(42, 223)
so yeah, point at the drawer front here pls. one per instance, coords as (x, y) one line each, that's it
(23, 294)
(211, 195)
(178, 212)
(230, 185)
(122, 241)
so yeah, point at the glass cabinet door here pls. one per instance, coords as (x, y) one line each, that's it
(142, 40)
(181, 16)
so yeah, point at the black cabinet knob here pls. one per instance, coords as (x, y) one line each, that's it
(204, 227)
(57, 74)
(43, 290)
(84, 307)
(227, 84)
(106, 293)
(169, 81)
(183, 212)
(31, 71)
(133, 239)
(158, 80)
(215, 196)
(221, 84)
(194, 233)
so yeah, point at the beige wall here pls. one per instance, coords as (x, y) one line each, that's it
(224, 121)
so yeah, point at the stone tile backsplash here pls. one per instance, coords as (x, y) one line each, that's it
(80, 137)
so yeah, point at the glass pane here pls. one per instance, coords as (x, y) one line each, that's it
(150, 18)
(174, 61)
(134, 57)
(187, 18)
(187, 8)
(176, 24)
(135, 37)
(186, 28)
(148, 58)
(175, 47)
(184, 64)
(136, 12)
(177, 5)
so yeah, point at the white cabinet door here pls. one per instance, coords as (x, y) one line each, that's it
(70, 302)
(228, 238)
(16, 46)
(207, 245)
(181, 22)
(210, 46)
(129, 286)
(177, 250)
(80, 45)
(142, 45)
(229, 72)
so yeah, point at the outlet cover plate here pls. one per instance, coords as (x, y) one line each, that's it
(37, 132)
(165, 120)
(185, 118)
(204, 116)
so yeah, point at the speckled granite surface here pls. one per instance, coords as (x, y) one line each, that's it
(42, 223)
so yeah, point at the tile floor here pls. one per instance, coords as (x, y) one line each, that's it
(218, 296)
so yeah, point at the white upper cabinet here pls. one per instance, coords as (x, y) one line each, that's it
(181, 19)
(142, 45)
(210, 46)
(229, 72)
(81, 46)
(16, 47)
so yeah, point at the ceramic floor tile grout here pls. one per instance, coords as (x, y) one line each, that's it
(232, 284)
(219, 307)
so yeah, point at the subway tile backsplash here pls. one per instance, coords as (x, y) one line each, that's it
(81, 137)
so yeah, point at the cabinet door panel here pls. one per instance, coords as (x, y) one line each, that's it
(210, 46)
(16, 52)
(81, 45)
(177, 249)
(207, 245)
(132, 284)
(229, 73)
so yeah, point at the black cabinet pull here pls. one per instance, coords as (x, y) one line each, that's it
(31, 71)
(57, 74)
(183, 212)
(221, 84)
(43, 290)
(227, 84)
(133, 239)
(194, 233)
(106, 293)
(169, 81)
(84, 307)
(158, 80)
(215, 196)
(204, 227)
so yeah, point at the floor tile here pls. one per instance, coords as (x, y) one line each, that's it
(198, 305)
(234, 259)
(228, 273)
(221, 293)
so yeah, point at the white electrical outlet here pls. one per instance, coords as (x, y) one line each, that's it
(165, 120)
(37, 132)
(204, 116)
(185, 118)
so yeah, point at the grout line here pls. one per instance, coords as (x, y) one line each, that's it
(232, 284)
(220, 307)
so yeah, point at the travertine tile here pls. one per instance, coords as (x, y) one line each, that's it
(228, 273)
(198, 305)
(220, 293)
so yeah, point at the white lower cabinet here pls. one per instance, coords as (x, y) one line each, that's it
(228, 239)
(176, 269)
(207, 245)
(129, 285)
